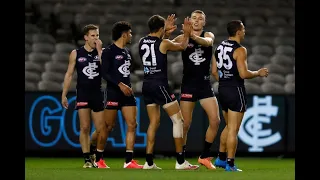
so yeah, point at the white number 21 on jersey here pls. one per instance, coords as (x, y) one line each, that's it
(148, 48)
(223, 56)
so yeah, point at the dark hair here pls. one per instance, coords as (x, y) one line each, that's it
(155, 22)
(118, 28)
(233, 26)
(88, 28)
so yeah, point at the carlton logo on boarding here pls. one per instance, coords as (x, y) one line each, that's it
(251, 130)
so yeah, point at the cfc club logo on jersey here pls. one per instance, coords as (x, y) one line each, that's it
(90, 70)
(196, 56)
(124, 69)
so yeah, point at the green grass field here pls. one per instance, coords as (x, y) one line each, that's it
(69, 169)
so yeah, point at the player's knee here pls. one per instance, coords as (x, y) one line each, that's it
(186, 126)
(109, 127)
(214, 121)
(233, 130)
(177, 125)
(132, 126)
(85, 129)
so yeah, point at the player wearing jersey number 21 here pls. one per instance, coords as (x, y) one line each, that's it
(153, 51)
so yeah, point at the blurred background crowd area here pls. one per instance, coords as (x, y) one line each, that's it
(53, 30)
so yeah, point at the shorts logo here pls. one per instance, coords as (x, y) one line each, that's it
(82, 103)
(110, 103)
(186, 95)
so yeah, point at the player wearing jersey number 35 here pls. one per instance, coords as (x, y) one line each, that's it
(230, 68)
(153, 51)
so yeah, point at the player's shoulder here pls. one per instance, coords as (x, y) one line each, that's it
(241, 50)
(144, 39)
(141, 39)
(166, 41)
(74, 52)
(107, 49)
(127, 48)
(208, 34)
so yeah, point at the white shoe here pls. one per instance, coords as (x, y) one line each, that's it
(186, 166)
(153, 166)
(193, 166)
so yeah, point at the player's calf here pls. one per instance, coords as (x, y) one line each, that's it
(93, 149)
(174, 112)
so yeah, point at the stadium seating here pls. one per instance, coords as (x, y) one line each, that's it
(52, 31)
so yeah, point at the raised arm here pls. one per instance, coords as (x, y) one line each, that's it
(205, 41)
(178, 39)
(169, 26)
(168, 45)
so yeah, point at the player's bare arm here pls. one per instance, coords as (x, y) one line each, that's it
(168, 45)
(240, 55)
(169, 26)
(178, 39)
(68, 78)
(214, 69)
(205, 41)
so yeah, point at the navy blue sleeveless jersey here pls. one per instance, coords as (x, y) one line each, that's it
(88, 69)
(154, 62)
(196, 63)
(227, 65)
(116, 63)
